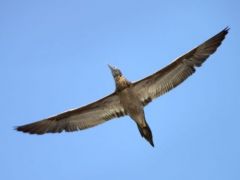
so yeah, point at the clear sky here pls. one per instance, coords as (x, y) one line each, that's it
(54, 57)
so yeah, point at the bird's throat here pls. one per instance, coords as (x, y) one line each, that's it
(121, 83)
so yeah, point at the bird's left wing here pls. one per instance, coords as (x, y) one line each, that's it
(175, 73)
(78, 119)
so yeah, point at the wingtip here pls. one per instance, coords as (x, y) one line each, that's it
(16, 128)
(22, 129)
(226, 29)
(19, 129)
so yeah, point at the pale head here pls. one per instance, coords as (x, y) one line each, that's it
(120, 81)
(115, 71)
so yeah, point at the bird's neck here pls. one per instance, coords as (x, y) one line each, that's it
(121, 83)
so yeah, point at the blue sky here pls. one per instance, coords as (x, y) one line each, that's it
(54, 57)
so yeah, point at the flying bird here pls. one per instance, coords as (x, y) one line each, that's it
(129, 98)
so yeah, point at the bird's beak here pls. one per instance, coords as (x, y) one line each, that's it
(111, 67)
(115, 71)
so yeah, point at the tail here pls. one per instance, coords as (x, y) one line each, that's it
(146, 133)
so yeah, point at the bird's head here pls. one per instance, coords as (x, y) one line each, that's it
(120, 81)
(115, 71)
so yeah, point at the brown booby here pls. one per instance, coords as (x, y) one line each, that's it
(129, 98)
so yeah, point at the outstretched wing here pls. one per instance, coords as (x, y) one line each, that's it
(176, 72)
(78, 119)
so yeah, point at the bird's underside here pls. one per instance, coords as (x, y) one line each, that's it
(129, 98)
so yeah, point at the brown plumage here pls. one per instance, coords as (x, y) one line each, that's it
(129, 98)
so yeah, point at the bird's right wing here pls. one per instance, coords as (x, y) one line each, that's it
(178, 71)
(78, 119)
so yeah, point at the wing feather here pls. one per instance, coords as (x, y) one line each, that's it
(78, 119)
(178, 71)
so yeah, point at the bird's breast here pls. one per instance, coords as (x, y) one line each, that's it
(130, 101)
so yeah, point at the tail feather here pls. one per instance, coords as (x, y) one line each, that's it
(146, 133)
